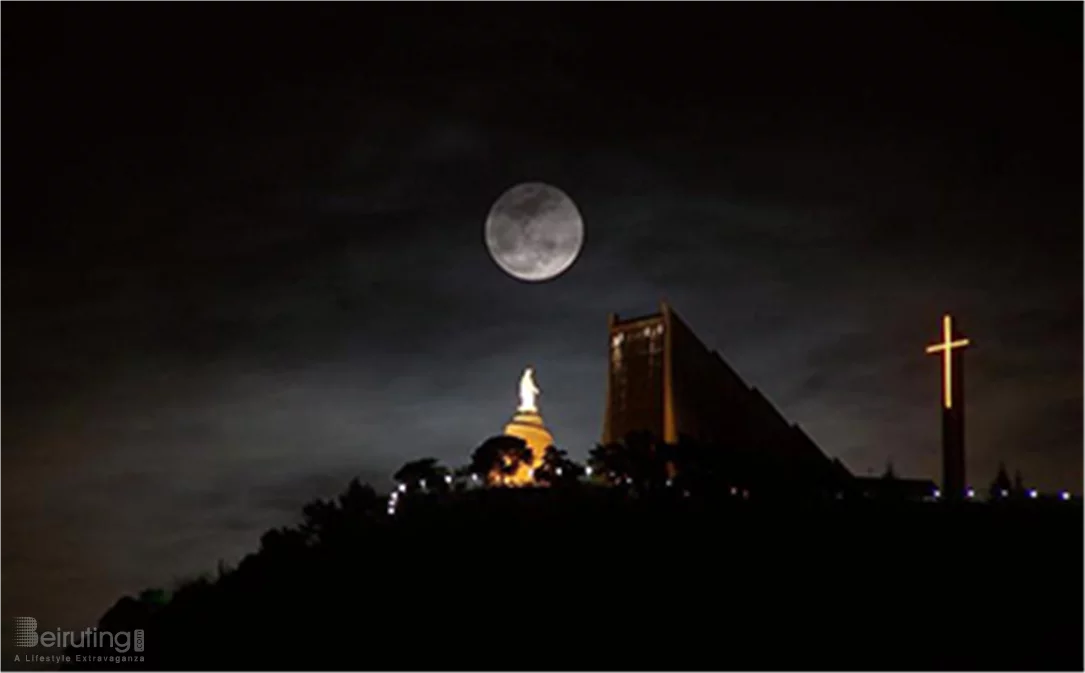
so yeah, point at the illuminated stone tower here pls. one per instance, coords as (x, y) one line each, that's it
(527, 424)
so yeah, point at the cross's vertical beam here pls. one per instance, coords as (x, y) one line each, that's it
(954, 481)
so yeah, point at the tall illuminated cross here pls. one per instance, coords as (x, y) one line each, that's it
(946, 348)
(954, 481)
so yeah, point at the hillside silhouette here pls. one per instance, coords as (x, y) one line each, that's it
(640, 559)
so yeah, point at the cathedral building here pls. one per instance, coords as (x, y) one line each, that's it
(661, 379)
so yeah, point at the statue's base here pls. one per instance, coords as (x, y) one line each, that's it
(529, 426)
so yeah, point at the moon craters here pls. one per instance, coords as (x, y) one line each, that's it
(534, 231)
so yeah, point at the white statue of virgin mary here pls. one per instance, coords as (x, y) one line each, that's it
(528, 391)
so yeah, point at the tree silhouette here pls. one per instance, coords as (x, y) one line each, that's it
(157, 596)
(423, 474)
(1018, 485)
(610, 462)
(891, 487)
(1001, 486)
(639, 461)
(890, 473)
(500, 457)
(360, 500)
(557, 469)
(357, 508)
(696, 467)
(283, 541)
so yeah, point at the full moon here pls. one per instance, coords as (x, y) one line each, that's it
(534, 231)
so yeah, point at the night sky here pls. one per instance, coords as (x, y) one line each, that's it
(243, 254)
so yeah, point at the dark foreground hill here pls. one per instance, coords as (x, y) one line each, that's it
(589, 578)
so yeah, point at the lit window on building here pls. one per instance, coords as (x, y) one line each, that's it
(616, 349)
(656, 344)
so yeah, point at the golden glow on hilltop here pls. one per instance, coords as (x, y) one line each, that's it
(528, 427)
(947, 345)
(523, 476)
